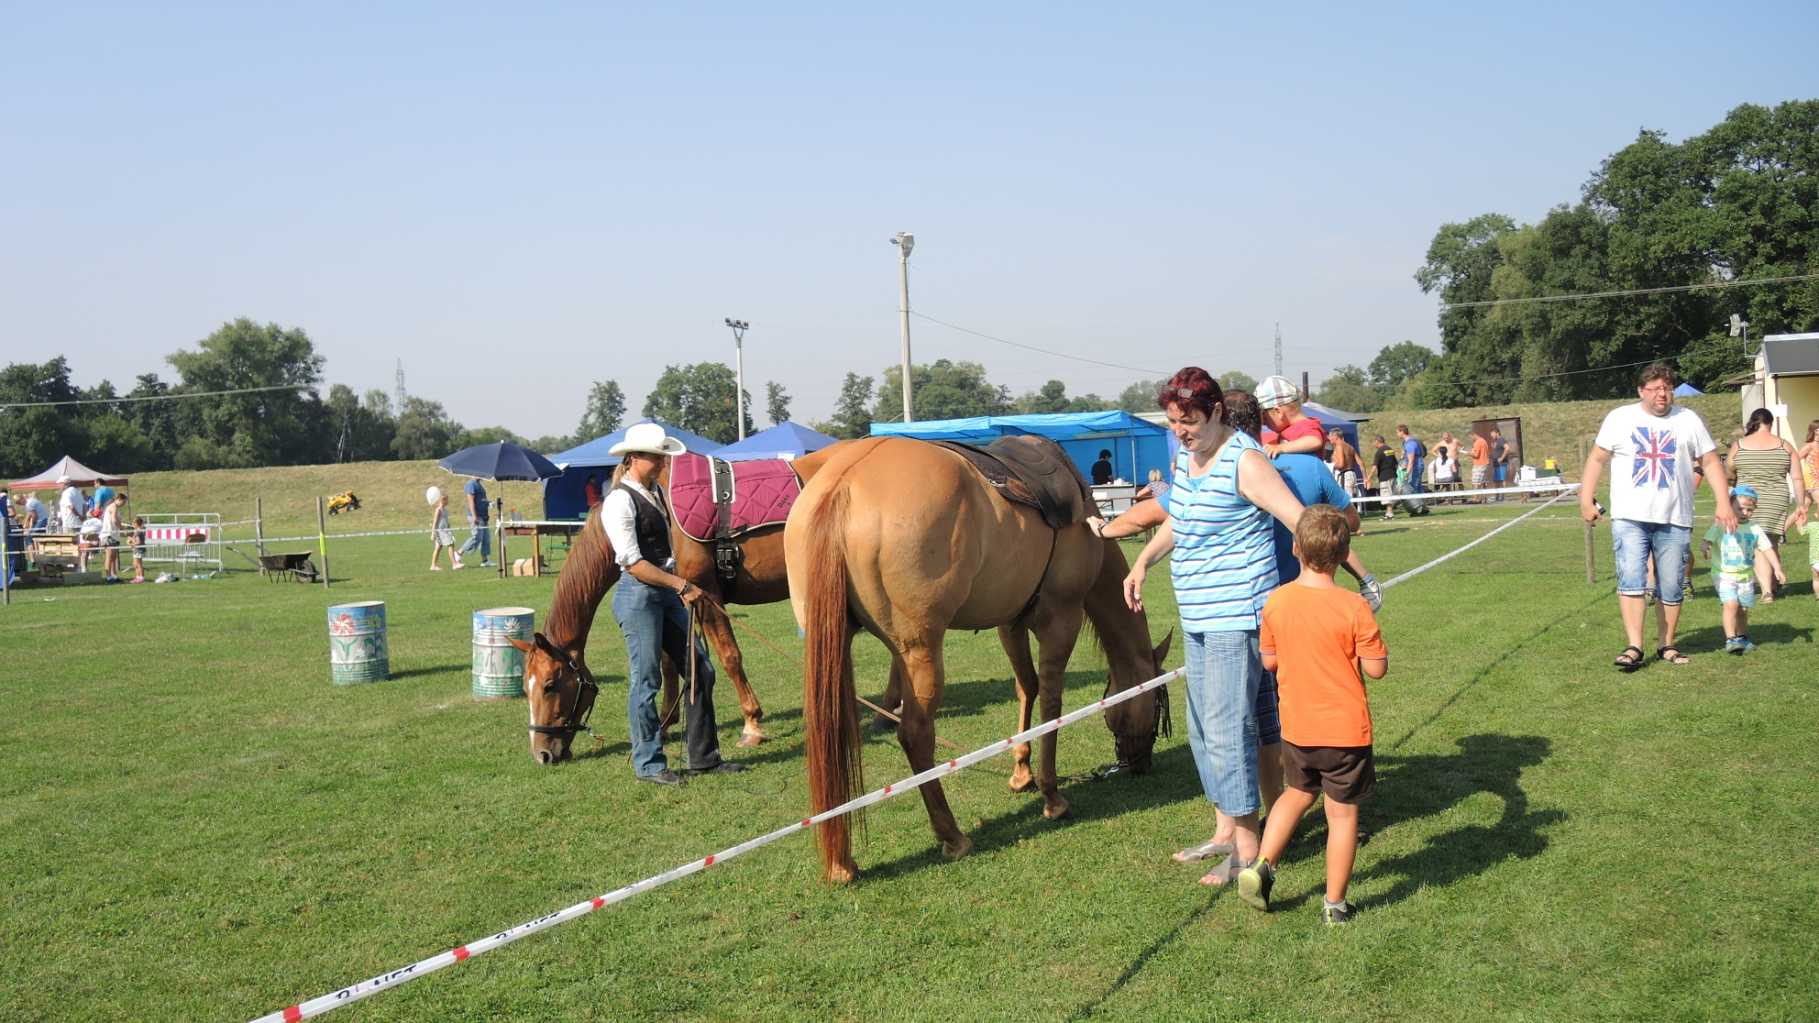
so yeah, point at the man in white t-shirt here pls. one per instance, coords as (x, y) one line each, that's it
(1651, 447)
(72, 507)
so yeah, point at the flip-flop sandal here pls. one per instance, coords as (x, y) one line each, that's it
(1678, 658)
(1204, 851)
(1630, 659)
(1225, 873)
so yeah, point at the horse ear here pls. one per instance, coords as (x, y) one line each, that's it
(523, 647)
(1161, 650)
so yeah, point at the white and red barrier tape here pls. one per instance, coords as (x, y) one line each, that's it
(393, 978)
(1536, 489)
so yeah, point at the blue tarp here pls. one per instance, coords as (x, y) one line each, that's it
(1136, 446)
(1330, 418)
(1686, 391)
(565, 496)
(785, 440)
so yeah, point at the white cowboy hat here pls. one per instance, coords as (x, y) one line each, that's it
(62, 480)
(648, 438)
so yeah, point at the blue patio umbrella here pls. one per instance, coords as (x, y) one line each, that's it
(500, 460)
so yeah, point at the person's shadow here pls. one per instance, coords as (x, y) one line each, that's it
(1414, 787)
(1710, 639)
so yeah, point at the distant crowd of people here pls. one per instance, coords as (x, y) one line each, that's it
(96, 523)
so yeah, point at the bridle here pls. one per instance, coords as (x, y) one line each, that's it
(586, 689)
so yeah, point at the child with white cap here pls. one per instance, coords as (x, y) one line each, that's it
(1736, 566)
(1287, 429)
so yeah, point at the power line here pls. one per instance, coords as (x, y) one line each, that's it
(1449, 306)
(152, 397)
(1562, 373)
(1033, 348)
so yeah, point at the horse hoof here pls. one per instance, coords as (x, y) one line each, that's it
(750, 739)
(840, 874)
(955, 850)
(1056, 810)
(1022, 783)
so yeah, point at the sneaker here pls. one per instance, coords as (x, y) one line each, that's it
(488, 564)
(1734, 645)
(1747, 643)
(1336, 914)
(1254, 884)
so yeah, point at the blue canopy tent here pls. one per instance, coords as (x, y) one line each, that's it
(1687, 391)
(565, 496)
(1136, 446)
(785, 440)
(1347, 422)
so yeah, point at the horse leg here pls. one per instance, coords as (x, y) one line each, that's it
(893, 695)
(916, 734)
(719, 631)
(671, 691)
(1057, 633)
(1016, 642)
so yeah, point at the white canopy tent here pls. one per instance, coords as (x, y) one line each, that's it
(77, 473)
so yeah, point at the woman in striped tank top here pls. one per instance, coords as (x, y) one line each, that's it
(1765, 461)
(1223, 568)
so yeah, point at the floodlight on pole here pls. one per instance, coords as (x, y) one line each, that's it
(904, 241)
(739, 328)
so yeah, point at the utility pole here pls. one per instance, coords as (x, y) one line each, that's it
(1278, 349)
(739, 329)
(904, 242)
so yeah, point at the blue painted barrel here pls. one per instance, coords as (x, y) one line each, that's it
(499, 666)
(356, 643)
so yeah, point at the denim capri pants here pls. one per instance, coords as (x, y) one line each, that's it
(1224, 671)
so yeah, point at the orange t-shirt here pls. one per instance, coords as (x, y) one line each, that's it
(1323, 632)
(1481, 450)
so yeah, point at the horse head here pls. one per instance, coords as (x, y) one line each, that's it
(1136, 723)
(560, 691)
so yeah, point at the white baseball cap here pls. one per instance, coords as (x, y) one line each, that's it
(1276, 390)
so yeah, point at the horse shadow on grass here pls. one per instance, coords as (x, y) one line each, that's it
(434, 669)
(1410, 788)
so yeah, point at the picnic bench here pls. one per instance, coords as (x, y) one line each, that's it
(295, 566)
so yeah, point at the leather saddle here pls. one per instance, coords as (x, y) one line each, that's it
(1032, 471)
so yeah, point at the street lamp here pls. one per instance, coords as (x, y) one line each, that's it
(904, 242)
(739, 329)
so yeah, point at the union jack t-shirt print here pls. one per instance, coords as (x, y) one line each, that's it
(1654, 459)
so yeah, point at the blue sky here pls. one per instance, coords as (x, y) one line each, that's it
(516, 204)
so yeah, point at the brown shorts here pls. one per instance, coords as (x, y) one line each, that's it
(1347, 774)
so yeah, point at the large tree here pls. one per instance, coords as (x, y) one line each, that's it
(605, 410)
(424, 430)
(852, 411)
(32, 438)
(1349, 389)
(363, 427)
(1140, 396)
(286, 426)
(942, 389)
(1233, 379)
(701, 398)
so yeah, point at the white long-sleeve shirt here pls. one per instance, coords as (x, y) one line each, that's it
(618, 518)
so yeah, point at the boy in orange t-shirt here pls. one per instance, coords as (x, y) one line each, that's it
(1316, 637)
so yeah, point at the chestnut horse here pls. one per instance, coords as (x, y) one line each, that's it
(906, 540)
(555, 665)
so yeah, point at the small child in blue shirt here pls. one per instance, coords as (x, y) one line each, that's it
(1735, 569)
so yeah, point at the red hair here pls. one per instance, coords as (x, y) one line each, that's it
(1193, 389)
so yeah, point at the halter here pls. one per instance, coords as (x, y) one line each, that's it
(585, 691)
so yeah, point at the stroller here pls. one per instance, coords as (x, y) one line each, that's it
(347, 501)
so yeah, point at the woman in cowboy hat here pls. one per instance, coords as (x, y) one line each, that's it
(649, 606)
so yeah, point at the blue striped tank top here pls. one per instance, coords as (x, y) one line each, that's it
(1224, 565)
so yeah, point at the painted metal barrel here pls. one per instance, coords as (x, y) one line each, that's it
(499, 666)
(357, 650)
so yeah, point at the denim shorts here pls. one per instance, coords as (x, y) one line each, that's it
(1741, 592)
(1634, 541)
(1224, 672)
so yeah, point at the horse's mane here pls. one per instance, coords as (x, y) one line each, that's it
(587, 574)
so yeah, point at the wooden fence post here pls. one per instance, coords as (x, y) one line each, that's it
(1591, 571)
(322, 539)
(259, 527)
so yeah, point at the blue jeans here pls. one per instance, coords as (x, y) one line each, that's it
(479, 536)
(1634, 541)
(654, 622)
(1223, 673)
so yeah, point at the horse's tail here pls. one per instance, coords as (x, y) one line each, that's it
(829, 703)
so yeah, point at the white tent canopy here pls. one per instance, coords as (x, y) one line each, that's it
(79, 474)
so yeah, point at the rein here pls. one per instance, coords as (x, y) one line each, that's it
(586, 689)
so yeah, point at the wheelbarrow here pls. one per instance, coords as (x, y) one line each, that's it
(295, 566)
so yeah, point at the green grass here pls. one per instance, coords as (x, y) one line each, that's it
(194, 824)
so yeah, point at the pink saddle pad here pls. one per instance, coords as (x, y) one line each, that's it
(763, 491)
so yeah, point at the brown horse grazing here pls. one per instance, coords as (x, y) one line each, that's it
(556, 680)
(906, 540)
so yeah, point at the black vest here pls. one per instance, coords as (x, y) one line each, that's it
(650, 526)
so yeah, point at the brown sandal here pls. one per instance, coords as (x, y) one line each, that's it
(1677, 658)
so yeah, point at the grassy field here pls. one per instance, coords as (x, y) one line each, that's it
(194, 824)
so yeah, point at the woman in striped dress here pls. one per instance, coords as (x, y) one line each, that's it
(1223, 568)
(1763, 460)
